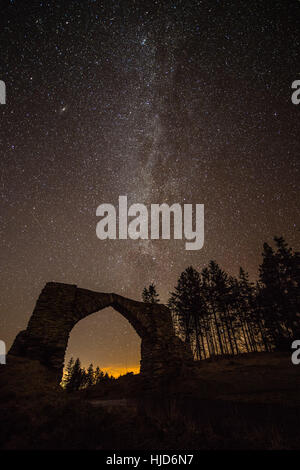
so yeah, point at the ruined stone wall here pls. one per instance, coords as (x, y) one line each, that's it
(60, 306)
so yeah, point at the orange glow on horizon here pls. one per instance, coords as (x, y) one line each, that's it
(116, 370)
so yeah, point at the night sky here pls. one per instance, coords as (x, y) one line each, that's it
(182, 101)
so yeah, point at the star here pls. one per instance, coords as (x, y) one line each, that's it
(184, 104)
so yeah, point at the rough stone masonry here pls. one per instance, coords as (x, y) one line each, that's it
(60, 306)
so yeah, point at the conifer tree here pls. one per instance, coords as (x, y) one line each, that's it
(68, 373)
(150, 295)
(90, 376)
(186, 302)
(77, 377)
(99, 375)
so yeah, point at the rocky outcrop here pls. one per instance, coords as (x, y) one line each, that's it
(60, 306)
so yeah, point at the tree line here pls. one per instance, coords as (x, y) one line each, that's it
(77, 377)
(219, 314)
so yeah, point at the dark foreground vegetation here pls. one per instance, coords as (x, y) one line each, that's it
(249, 402)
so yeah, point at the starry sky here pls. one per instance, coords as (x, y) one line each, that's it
(162, 101)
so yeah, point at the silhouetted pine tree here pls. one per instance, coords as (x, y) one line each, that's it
(243, 293)
(212, 279)
(77, 377)
(99, 374)
(252, 321)
(212, 318)
(68, 373)
(150, 295)
(278, 297)
(90, 376)
(187, 305)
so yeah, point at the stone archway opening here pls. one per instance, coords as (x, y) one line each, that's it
(105, 339)
(61, 306)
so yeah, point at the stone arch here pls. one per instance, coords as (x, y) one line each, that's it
(60, 306)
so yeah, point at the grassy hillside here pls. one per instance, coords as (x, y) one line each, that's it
(247, 402)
